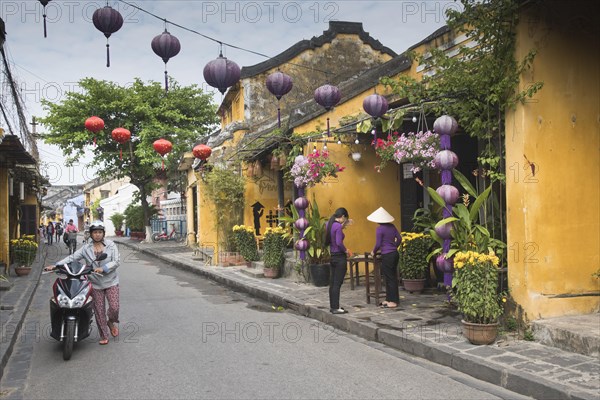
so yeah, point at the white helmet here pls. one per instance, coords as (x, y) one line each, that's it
(97, 226)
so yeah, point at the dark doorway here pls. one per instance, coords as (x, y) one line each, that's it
(195, 211)
(28, 220)
(411, 196)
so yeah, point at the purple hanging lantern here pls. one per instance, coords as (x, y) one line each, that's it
(279, 84)
(327, 96)
(166, 46)
(445, 161)
(44, 4)
(221, 73)
(107, 20)
(375, 105)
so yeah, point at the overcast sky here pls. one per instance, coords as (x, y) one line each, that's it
(74, 49)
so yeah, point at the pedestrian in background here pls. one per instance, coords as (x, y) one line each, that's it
(334, 238)
(387, 240)
(49, 233)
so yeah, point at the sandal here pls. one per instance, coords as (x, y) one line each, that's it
(103, 341)
(114, 330)
(388, 306)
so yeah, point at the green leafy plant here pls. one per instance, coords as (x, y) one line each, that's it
(467, 234)
(413, 255)
(24, 250)
(225, 190)
(245, 241)
(596, 274)
(134, 216)
(117, 220)
(475, 286)
(274, 245)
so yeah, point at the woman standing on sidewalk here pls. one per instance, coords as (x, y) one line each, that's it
(105, 282)
(387, 240)
(334, 238)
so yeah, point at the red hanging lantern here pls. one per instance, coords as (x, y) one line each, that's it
(166, 46)
(202, 151)
(162, 147)
(94, 124)
(121, 135)
(107, 20)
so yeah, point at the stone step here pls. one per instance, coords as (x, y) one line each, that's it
(578, 333)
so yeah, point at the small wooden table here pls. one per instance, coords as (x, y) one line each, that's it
(368, 260)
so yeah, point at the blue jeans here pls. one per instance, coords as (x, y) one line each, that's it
(336, 278)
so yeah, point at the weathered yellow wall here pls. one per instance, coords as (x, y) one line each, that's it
(553, 216)
(4, 208)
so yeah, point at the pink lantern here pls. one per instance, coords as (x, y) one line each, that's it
(444, 264)
(375, 105)
(302, 245)
(301, 203)
(445, 160)
(443, 231)
(301, 223)
(449, 193)
(445, 125)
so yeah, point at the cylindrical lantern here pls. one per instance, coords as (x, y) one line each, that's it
(21, 190)
(11, 183)
(166, 46)
(107, 20)
(201, 151)
(162, 147)
(221, 73)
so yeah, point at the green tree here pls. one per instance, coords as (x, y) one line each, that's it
(182, 116)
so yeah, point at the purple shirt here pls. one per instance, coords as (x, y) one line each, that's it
(387, 239)
(337, 238)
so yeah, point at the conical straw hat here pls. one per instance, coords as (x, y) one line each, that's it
(380, 216)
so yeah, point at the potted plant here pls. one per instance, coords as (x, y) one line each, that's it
(245, 242)
(134, 218)
(413, 260)
(273, 251)
(24, 251)
(475, 290)
(117, 220)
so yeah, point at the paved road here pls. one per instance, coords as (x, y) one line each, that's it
(185, 337)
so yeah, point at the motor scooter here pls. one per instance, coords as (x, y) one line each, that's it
(71, 308)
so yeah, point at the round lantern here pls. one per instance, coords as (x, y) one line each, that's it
(301, 223)
(121, 135)
(94, 124)
(445, 125)
(107, 20)
(279, 84)
(327, 96)
(162, 147)
(166, 46)
(445, 160)
(444, 264)
(302, 245)
(301, 203)
(375, 105)
(44, 4)
(202, 151)
(443, 231)
(221, 73)
(449, 193)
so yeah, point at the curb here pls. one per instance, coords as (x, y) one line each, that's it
(15, 321)
(478, 367)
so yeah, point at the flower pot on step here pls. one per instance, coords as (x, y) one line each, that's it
(480, 333)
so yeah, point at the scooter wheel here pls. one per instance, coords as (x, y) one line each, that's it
(69, 340)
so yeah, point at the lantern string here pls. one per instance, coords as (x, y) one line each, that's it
(221, 43)
(44, 14)
(107, 53)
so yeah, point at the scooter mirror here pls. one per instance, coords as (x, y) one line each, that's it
(101, 257)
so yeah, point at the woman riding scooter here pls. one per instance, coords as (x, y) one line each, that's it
(105, 282)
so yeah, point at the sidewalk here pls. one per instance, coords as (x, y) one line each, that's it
(422, 326)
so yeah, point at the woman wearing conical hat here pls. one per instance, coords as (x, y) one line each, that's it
(387, 241)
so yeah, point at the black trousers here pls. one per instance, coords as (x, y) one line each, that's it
(336, 278)
(389, 267)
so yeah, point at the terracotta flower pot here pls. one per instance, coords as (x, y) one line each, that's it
(413, 285)
(480, 333)
(22, 270)
(270, 272)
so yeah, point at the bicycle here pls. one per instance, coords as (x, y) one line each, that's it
(163, 236)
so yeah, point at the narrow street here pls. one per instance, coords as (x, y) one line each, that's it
(185, 337)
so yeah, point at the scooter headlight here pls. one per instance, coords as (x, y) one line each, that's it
(78, 301)
(63, 301)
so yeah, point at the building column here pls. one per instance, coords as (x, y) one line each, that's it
(4, 216)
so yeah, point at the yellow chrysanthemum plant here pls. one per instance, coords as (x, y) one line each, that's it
(475, 286)
(245, 242)
(24, 250)
(274, 247)
(413, 255)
